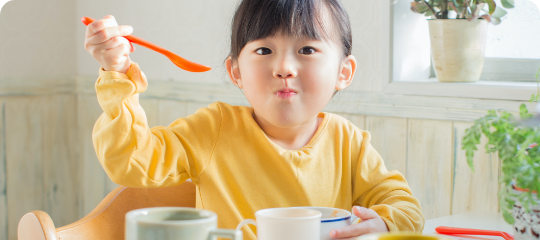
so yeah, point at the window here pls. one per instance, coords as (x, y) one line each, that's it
(512, 48)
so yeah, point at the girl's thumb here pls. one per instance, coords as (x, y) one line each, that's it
(364, 213)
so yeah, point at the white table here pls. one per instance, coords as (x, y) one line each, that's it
(476, 220)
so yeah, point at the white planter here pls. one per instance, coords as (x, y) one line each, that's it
(526, 225)
(458, 48)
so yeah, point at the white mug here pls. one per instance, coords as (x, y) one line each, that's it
(286, 224)
(173, 223)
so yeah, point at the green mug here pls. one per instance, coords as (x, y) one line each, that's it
(173, 223)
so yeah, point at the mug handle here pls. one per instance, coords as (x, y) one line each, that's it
(245, 222)
(225, 233)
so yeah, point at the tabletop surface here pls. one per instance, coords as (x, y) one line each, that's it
(476, 220)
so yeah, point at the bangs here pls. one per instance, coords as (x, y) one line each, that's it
(258, 19)
(298, 18)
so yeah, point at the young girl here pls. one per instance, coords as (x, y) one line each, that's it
(289, 57)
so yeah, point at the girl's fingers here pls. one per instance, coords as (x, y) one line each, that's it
(108, 33)
(99, 25)
(100, 49)
(114, 42)
(352, 230)
(117, 55)
(364, 213)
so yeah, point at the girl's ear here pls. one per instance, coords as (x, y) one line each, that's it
(346, 74)
(234, 72)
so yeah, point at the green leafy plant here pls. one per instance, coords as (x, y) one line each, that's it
(465, 9)
(518, 151)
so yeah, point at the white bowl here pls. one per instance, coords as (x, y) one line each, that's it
(332, 218)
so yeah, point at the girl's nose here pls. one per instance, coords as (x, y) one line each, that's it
(285, 69)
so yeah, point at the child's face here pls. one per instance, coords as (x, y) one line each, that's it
(287, 80)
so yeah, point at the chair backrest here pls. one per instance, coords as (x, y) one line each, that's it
(106, 221)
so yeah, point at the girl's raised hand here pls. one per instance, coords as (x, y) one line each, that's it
(371, 222)
(105, 42)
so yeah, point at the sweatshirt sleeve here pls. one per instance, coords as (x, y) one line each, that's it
(134, 155)
(387, 193)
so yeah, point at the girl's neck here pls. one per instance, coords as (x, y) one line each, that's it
(292, 138)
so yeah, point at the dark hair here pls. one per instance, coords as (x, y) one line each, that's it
(257, 19)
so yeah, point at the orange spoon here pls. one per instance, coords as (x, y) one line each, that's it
(177, 60)
(468, 231)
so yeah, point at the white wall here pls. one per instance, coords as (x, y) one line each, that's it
(37, 43)
(49, 36)
(196, 30)
(517, 35)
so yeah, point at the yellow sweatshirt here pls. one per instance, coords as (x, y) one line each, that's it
(237, 169)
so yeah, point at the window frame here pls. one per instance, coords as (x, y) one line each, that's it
(508, 84)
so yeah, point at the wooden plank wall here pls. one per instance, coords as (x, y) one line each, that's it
(3, 174)
(47, 160)
(41, 167)
(428, 153)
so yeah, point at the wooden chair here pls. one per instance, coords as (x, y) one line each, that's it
(106, 221)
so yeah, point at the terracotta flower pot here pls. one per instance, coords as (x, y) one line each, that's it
(458, 48)
(526, 225)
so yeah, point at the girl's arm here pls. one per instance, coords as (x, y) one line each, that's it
(387, 193)
(134, 155)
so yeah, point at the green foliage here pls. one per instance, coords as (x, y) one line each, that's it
(465, 9)
(520, 159)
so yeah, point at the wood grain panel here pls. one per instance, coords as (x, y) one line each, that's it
(3, 175)
(94, 179)
(170, 110)
(42, 156)
(60, 159)
(372, 50)
(358, 120)
(429, 165)
(389, 138)
(474, 191)
(24, 150)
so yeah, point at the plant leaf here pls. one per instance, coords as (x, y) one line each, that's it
(495, 21)
(508, 217)
(523, 112)
(487, 17)
(492, 6)
(419, 7)
(476, 11)
(499, 13)
(451, 4)
(508, 3)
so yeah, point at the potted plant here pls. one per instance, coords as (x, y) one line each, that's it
(519, 153)
(458, 44)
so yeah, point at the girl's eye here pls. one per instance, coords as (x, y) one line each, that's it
(263, 51)
(307, 50)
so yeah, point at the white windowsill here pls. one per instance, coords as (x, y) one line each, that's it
(520, 91)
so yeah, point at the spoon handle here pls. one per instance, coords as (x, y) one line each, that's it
(469, 231)
(184, 64)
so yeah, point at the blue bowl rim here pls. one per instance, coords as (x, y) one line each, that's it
(336, 219)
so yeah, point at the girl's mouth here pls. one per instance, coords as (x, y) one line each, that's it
(285, 93)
